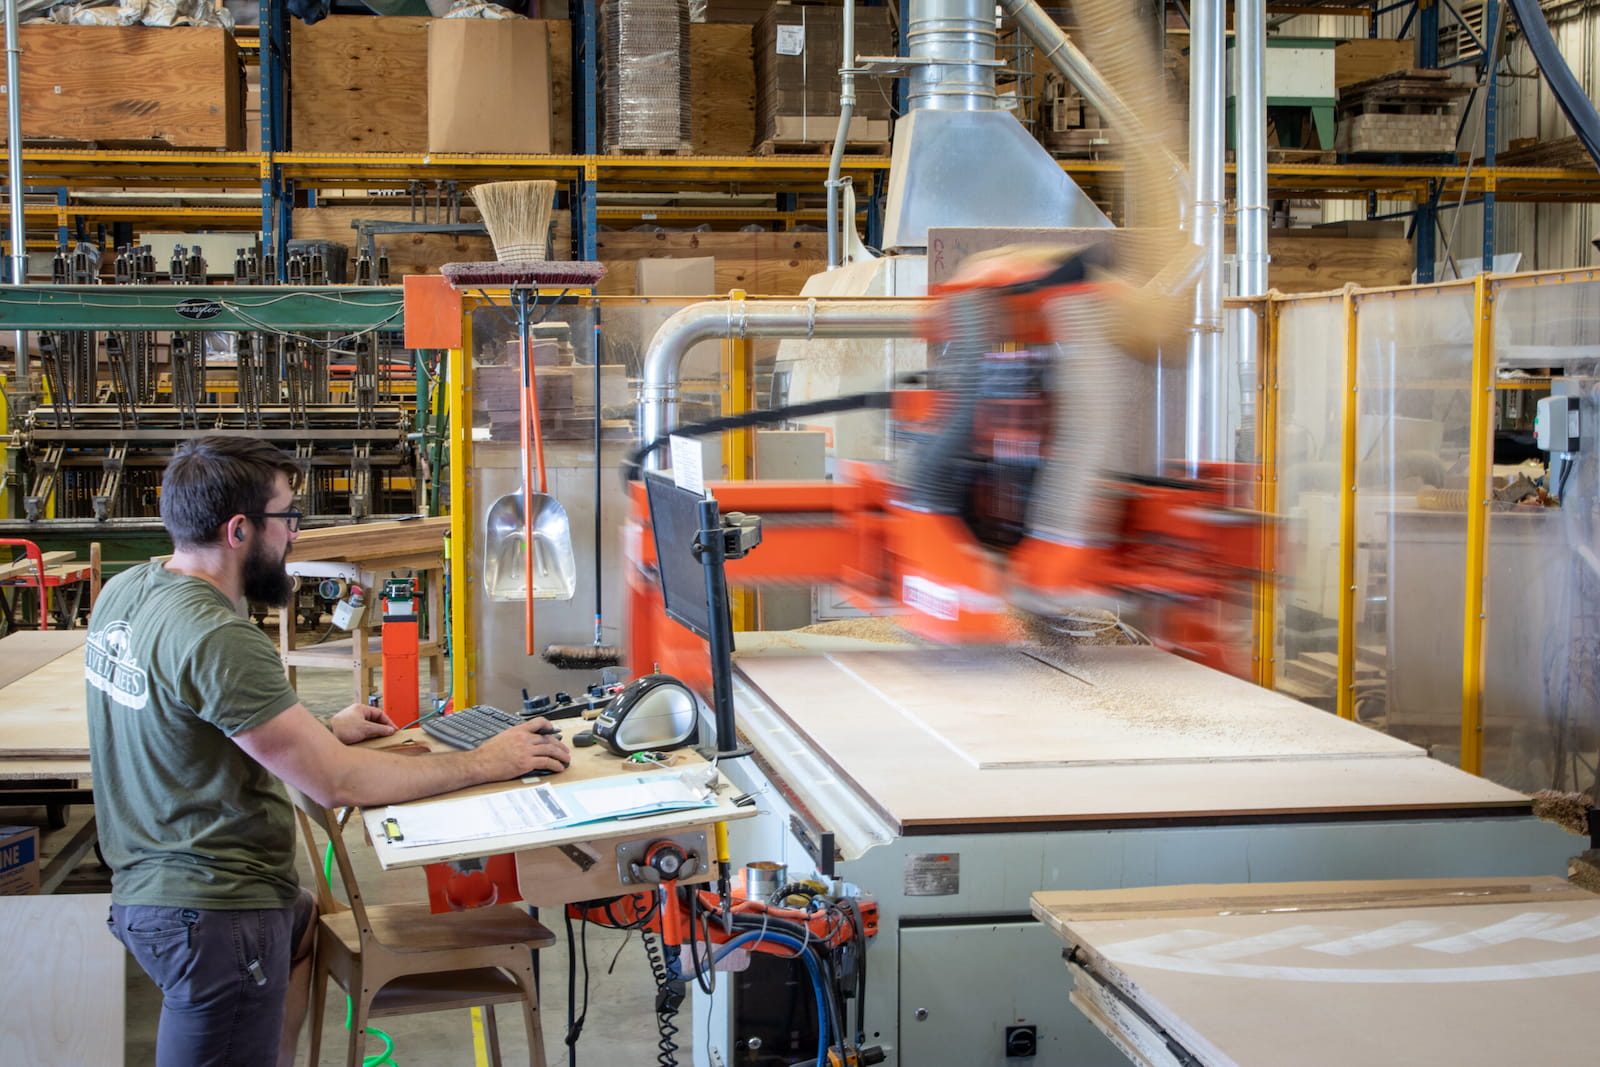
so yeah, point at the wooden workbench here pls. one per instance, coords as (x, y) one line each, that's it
(1085, 736)
(1467, 972)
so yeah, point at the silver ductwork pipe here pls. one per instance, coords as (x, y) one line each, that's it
(19, 229)
(847, 109)
(1254, 213)
(951, 47)
(739, 319)
(1205, 404)
(19, 247)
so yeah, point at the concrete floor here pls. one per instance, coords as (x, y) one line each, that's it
(620, 1029)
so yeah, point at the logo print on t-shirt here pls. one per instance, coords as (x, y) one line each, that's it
(111, 667)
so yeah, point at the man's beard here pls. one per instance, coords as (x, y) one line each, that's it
(265, 581)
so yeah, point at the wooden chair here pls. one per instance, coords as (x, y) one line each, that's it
(398, 959)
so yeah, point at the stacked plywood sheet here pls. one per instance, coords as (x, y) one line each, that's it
(1403, 112)
(798, 53)
(1469, 972)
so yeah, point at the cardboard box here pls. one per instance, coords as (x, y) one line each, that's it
(677, 277)
(19, 860)
(488, 86)
(173, 86)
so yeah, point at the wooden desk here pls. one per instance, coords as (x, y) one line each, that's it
(1469, 972)
(556, 867)
(372, 551)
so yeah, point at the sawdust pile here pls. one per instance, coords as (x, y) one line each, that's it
(880, 628)
(1087, 626)
(1076, 626)
(1584, 871)
(1570, 811)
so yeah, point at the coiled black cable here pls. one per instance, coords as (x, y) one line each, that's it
(666, 1003)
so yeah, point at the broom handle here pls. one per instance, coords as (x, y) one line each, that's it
(529, 413)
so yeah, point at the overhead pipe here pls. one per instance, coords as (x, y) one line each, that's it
(1205, 403)
(738, 319)
(1253, 212)
(847, 108)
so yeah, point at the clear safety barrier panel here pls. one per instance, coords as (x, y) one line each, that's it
(1311, 354)
(1541, 699)
(1413, 424)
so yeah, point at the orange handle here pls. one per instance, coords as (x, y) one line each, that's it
(529, 411)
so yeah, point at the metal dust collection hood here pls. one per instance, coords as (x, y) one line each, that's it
(975, 168)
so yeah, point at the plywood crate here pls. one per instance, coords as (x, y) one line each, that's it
(722, 88)
(361, 84)
(1358, 60)
(1311, 261)
(174, 86)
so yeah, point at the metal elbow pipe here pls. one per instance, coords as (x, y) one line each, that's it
(738, 319)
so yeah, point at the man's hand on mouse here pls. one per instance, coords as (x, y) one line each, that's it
(523, 748)
(360, 722)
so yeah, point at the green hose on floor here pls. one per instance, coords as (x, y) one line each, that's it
(382, 1059)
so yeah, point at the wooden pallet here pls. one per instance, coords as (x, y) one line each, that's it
(1403, 92)
(650, 152)
(821, 148)
(1304, 156)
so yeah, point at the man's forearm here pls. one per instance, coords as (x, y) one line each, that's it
(367, 776)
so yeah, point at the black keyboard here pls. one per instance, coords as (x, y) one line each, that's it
(471, 726)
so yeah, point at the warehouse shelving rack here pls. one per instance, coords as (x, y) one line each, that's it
(284, 176)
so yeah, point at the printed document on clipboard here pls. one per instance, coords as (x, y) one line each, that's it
(546, 807)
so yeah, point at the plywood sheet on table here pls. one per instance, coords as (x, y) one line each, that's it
(25, 651)
(893, 759)
(42, 713)
(1006, 708)
(61, 981)
(1477, 980)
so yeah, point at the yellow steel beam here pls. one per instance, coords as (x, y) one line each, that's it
(463, 644)
(738, 446)
(1266, 607)
(1348, 601)
(1479, 490)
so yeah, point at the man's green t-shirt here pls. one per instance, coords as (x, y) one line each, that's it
(185, 817)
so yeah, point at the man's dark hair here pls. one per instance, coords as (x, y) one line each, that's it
(215, 477)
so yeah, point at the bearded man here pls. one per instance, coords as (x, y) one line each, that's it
(192, 724)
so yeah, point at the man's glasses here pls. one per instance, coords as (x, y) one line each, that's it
(291, 517)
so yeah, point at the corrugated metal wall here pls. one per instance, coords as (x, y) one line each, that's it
(1549, 236)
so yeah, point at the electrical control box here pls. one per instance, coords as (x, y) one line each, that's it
(1556, 424)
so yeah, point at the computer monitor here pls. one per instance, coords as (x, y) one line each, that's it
(675, 521)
